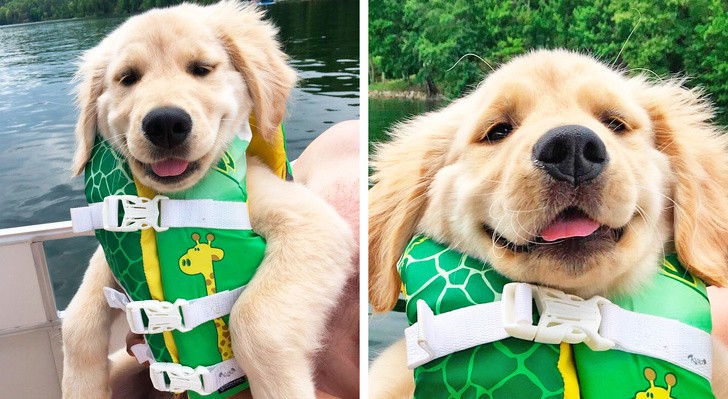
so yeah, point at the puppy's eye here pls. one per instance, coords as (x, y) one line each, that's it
(498, 132)
(200, 70)
(129, 78)
(614, 124)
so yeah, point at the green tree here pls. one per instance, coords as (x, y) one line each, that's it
(706, 56)
(394, 56)
(660, 37)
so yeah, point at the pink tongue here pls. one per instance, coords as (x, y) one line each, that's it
(170, 167)
(560, 229)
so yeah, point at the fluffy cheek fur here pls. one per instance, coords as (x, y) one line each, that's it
(497, 185)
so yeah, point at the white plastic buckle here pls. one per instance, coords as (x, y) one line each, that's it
(564, 318)
(181, 378)
(161, 316)
(139, 213)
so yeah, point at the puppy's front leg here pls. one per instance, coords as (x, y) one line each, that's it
(86, 335)
(278, 321)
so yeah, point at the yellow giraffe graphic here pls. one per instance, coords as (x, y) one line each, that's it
(654, 392)
(198, 260)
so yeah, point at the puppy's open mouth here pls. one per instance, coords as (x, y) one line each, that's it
(169, 167)
(570, 231)
(170, 170)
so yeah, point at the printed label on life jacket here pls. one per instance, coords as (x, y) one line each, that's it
(231, 384)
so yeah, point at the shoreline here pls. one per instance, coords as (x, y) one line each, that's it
(405, 95)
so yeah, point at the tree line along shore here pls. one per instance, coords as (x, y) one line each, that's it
(24, 11)
(447, 46)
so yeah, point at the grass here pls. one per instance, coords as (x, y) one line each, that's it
(395, 85)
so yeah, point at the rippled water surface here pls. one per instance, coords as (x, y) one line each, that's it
(37, 62)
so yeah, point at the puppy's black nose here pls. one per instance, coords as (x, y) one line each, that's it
(167, 127)
(571, 153)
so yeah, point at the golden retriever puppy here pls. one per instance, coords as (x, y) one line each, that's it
(169, 89)
(557, 171)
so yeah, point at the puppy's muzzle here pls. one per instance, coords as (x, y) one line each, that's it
(167, 127)
(571, 153)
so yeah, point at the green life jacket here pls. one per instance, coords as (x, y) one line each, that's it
(184, 263)
(446, 280)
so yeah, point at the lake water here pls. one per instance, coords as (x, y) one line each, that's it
(384, 112)
(37, 115)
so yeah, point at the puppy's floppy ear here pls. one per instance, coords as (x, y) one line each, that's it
(698, 154)
(89, 76)
(255, 53)
(403, 171)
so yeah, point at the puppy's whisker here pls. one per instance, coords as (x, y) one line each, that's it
(529, 235)
(491, 181)
(649, 71)
(614, 63)
(520, 211)
(494, 239)
(652, 225)
(471, 55)
(676, 207)
(491, 212)
(666, 144)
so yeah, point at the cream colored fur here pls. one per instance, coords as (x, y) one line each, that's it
(387, 378)
(666, 182)
(277, 324)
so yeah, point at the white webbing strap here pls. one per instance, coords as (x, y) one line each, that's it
(228, 215)
(143, 353)
(182, 315)
(437, 336)
(665, 339)
(116, 299)
(597, 322)
(160, 213)
(176, 378)
(87, 218)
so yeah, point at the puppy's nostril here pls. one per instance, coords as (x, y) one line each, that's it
(594, 152)
(180, 128)
(554, 153)
(167, 127)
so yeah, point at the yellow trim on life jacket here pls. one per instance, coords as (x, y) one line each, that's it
(568, 372)
(150, 259)
(272, 154)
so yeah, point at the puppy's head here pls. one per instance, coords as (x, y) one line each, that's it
(559, 171)
(171, 87)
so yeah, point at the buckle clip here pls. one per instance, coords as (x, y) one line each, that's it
(140, 213)
(181, 378)
(161, 316)
(563, 317)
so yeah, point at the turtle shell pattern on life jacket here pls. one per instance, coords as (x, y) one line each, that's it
(183, 263)
(513, 368)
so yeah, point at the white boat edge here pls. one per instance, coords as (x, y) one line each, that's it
(31, 358)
